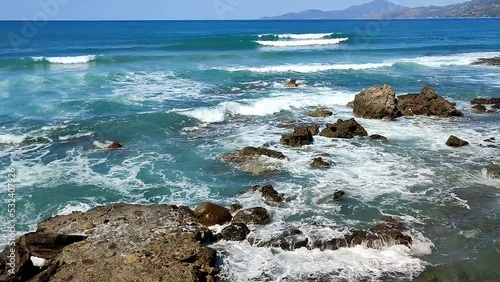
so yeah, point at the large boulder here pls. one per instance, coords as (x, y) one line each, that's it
(319, 163)
(210, 214)
(126, 243)
(493, 171)
(254, 160)
(377, 102)
(456, 142)
(234, 232)
(301, 136)
(321, 113)
(258, 216)
(427, 103)
(344, 129)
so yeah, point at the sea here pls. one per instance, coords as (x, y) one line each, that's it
(179, 94)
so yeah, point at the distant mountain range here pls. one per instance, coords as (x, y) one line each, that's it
(386, 9)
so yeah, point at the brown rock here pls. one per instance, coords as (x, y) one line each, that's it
(350, 104)
(427, 103)
(292, 83)
(115, 145)
(478, 109)
(378, 102)
(235, 207)
(495, 61)
(485, 101)
(319, 163)
(289, 240)
(249, 160)
(321, 113)
(493, 171)
(314, 129)
(377, 137)
(338, 195)
(301, 136)
(259, 216)
(344, 129)
(271, 196)
(456, 142)
(210, 214)
(234, 232)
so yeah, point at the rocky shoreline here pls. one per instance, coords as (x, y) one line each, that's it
(125, 242)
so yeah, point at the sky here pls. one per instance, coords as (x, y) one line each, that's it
(175, 9)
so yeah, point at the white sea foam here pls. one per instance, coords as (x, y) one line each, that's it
(301, 43)
(76, 136)
(11, 138)
(38, 262)
(299, 36)
(310, 68)
(461, 59)
(73, 207)
(67, 60)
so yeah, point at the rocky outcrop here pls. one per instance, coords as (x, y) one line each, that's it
(377, 102)
(289, 240)
(493, 171)
(210, 214)
(344, 129)
(490, 140)
(456, 142)
(258, 216)
(235, 207)
(250, 160)
(485, 101)
(487, 61)
(319, 163)
(478, 109)
(271, 196)
(234, 232)
(115, 145)
(321, 113)
(301, 136)
(427, 103)
(314, 129)
(118, 243)
(338, 195)
(377, 137)
(292, 83)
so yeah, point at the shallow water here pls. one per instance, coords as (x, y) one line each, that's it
(180, 94)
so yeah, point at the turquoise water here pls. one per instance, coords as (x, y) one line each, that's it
(177, 95)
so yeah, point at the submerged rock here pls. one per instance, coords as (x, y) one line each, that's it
(235, 207)
(234, 232)
(377, 102)
(301, 136)
(258, 215)
(344, 129)
(478, 109)
(210, 214)
(292, 83)
(319, 163)
(456, 142)
(493, 171)
(249, 160)
(490, 140)
(377, 137)
(321, 113)
(289, 240)
(427, 103)
(128, 243)
(115, 145)
(338, 195)
(271, 196)
(314, 129)
(495, 61)
(485, 101)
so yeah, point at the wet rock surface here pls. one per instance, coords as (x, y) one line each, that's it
(485, 101)
(493, 171)
(289, 240)
(250, 160)
(258, 216)
(234, 232)
(377, 137)
(301, 136)
(495, 61)
(321, 113)
(427, 103)
(210, 214)
(320, 163)
(456, 142)
(344, 129)
(478, 109)
(377, 102)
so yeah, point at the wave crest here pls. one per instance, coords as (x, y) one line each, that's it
(301, 43)
(66, 60)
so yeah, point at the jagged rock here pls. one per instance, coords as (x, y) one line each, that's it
(485, 101)
(456, 142)
(301, 136)
(487, 61)
(344, 129)
(319, 163)
(427, 103)
(314, 129)
(493, 171)
(234, 232)
(292, 83)
(115, 145)
(350, 104)
(478, 109)
(128, 243)
(259, 216)
(249, 160)
(338, 195)
(321, 113)
(271, 196)
(377, 137)
(377, 102)
(210, 214)
(235, 207)
(490, 140)
(289, 240)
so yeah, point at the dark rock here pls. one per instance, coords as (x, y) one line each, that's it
(485, 101)
(338, 195)
(487, 61)
(210, 214)
(319, 163)
(321, 113)
(289, 240)
(271, 196)
(478, 109)
(235, 207)
(314, 129)
(377, 102)
(493, 171)
(490, 140)
(344, 129)
(249, 160)
(496, 106)
(301, 136)
(234, 232)
(427, 103)
(259, 216)
(292, 83)
(377, 137)
(456, 142)
(115, 145)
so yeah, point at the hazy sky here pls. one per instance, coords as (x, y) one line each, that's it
(176, 9)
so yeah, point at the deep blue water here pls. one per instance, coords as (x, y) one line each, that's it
(177, 95)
